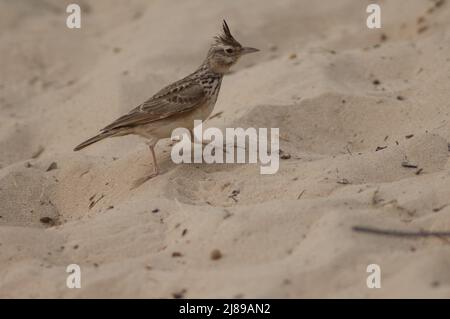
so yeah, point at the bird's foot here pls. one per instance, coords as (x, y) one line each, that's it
(144, 179)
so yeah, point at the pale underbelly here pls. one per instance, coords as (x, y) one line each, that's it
(164, 128)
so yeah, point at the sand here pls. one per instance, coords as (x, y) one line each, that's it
(352, 105)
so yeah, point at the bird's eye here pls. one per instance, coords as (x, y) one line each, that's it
(229, 50)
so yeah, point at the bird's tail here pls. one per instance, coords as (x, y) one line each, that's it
(95, 139)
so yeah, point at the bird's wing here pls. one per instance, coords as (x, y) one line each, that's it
(180, 97)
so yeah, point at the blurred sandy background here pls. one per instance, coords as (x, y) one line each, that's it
(352, 105)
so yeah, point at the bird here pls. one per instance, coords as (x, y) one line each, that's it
(180, 103)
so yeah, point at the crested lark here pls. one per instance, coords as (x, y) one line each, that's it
(179, 104)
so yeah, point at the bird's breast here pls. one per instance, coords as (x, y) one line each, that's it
(211, 87)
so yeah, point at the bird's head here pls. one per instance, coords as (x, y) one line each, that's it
(225, 51)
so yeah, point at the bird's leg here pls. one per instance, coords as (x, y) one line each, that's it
(155, 172)
(154, 161)
(196, 141)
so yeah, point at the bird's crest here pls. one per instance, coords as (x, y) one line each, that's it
(226, 37)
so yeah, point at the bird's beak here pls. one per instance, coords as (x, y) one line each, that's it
(247, 50)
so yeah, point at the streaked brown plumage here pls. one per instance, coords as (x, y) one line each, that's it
(179, 104)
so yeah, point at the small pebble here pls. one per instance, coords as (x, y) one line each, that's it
(179, 294)
(52, 166)
(47, 220)
(216, 254)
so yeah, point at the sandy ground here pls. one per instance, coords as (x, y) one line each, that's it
(352, 105)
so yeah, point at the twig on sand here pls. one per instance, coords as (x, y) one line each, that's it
(408, 165)
(348, 149)
(438, 209)
(94, 202)
(399, 233)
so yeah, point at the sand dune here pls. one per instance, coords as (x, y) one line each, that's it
(362, 113)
